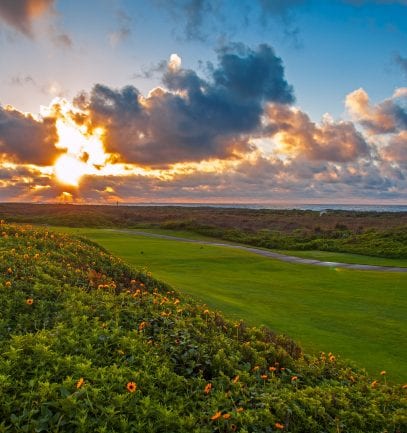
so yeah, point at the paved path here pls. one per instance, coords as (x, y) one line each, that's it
(271, 254)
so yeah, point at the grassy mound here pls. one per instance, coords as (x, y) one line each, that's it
(89, 345)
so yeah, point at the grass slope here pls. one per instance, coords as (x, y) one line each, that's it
(88, 345)
(359, 314)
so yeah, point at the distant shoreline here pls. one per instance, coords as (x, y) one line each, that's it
(254, 206)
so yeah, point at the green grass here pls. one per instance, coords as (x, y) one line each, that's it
(357, 314)
(88, 344)
(317, 255)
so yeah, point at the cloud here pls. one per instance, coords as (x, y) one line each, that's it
(402, 62)
(21, 81)
(386, 117)
(193, 13)
(328, 141)
(385, 2)
(61, 40)
(193, 118)
(123, 32)
(21, 13)
(26, 140)
(396, 150)
(174, 64)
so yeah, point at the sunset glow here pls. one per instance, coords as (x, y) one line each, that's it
(187, 112)
(69, 170)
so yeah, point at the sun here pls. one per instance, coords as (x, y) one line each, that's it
(69, 170)
(85, 153)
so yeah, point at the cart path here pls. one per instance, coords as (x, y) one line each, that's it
(266, 253)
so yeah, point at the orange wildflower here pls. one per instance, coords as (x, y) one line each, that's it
(404, 386)
(294, 378)
(239, 409)
(216, 416)
(332, 358)
(383, 372)
(264, 376)
(279, 426)
(206, 312)
(374, 384)
(9, 271)
(208, 388)
(236, 379)
(131, 387)
(142, 326)
(80, 382)
(272, 369)
(226, 416)
(29, 301)
(8, 283)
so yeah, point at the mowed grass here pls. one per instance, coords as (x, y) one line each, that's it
(359, 315)
(327, 256)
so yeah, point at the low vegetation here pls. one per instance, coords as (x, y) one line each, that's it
(89, 345)
(380, 234)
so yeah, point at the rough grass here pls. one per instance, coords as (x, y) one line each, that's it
(359, 314)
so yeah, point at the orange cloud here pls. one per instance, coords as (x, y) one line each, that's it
(20, 13)
(383, 118)
(328, 141)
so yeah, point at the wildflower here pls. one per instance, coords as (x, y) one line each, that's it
(8, 283)
(239, 409)
(226, 416)
(264, 376)
(176, 302)
(9, 271)
(29, 301)
(206, 312)
(216, 416)
(279, 426)
(236, 379)
(131, 387)
(272, 369)
(404, 386)
(208, 388)
(142, 326)
(80, 382)
(294, 378)
(374, 384)
(332, 358)
(133, 282)
(383, 372)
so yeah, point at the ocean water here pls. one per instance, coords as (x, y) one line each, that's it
(314, 207)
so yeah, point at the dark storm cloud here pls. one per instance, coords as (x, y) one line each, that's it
(26, 140)
(196, 118)
(20, 13)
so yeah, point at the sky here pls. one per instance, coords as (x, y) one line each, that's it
(217, 101)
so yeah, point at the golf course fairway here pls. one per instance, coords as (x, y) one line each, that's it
(358, 315)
